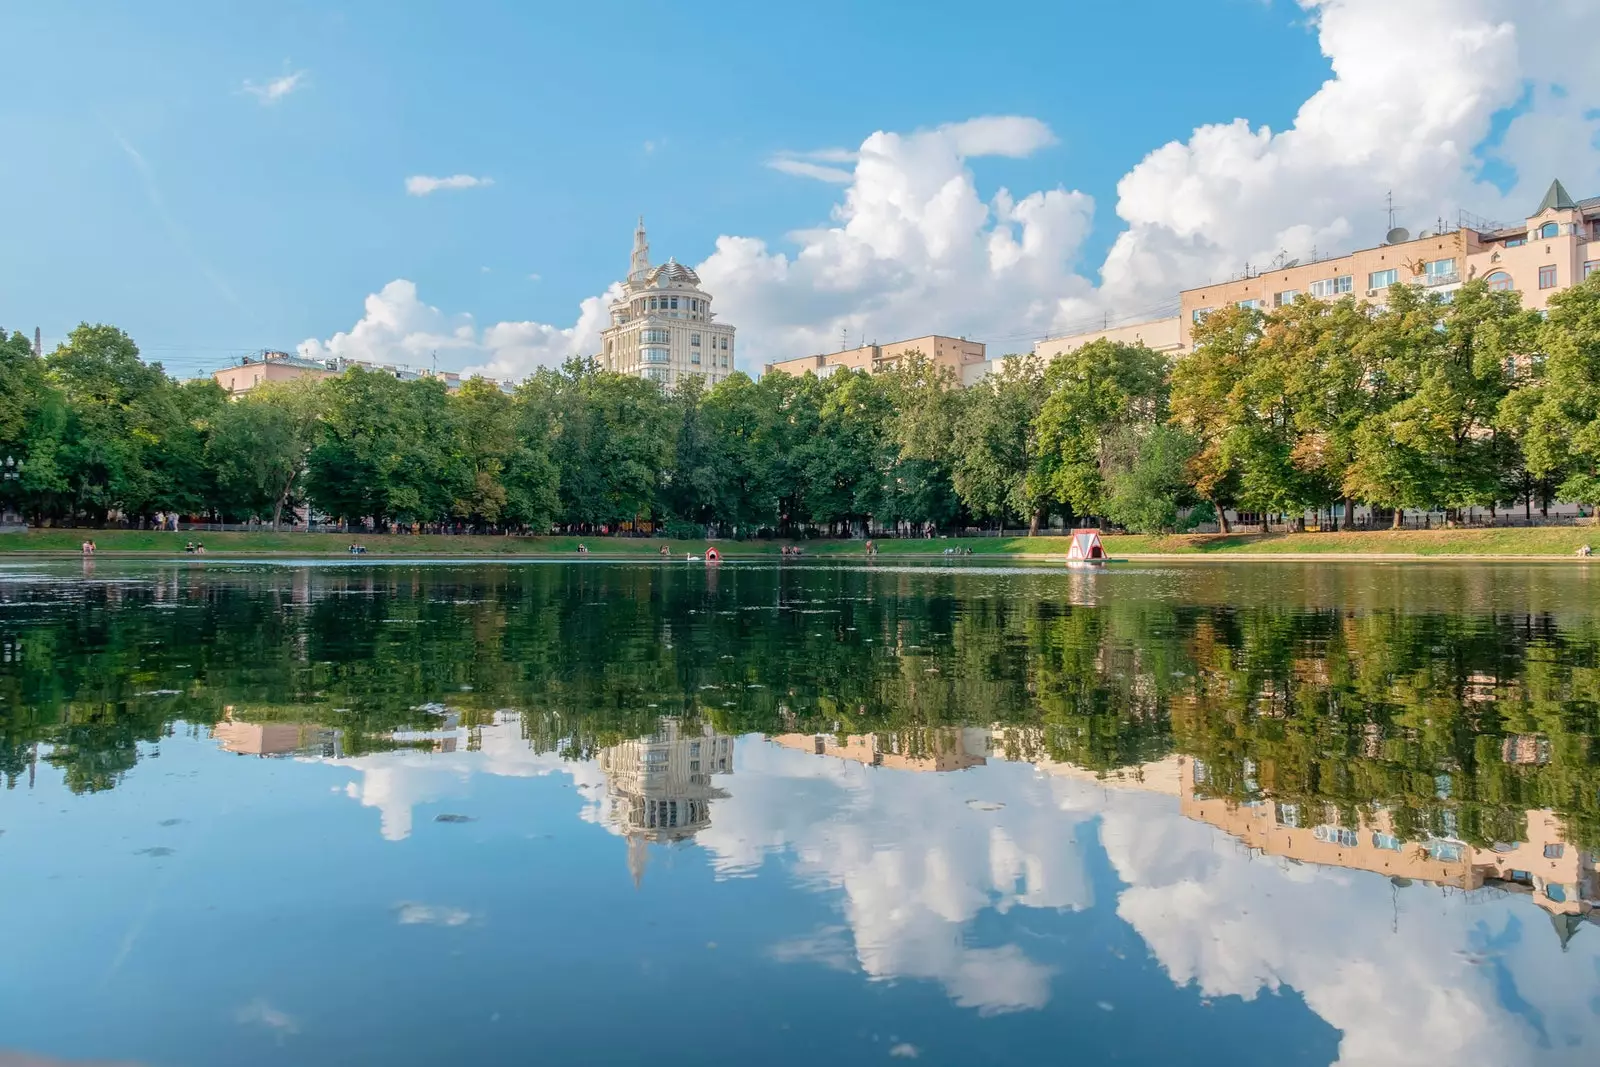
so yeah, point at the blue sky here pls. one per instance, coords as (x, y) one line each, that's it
(152, 188)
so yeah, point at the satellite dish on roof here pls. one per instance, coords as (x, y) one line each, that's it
(1424, 233)
(1398, 235)
(1291, 263)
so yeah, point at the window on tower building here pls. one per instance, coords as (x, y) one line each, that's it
(1547, 277)
(1550, 229)
(1499, 281)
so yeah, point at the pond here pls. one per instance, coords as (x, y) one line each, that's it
(398, 812)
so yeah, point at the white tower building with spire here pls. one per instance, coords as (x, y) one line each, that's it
(662, 327)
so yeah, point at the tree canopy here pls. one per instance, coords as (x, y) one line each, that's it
(1420, 402)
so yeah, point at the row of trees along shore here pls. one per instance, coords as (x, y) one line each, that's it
(1420, 404)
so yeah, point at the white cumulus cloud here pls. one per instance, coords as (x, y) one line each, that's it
(914, 245)
(399, 328)
(426, 184)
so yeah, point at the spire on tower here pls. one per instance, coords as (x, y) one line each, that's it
(639, 266)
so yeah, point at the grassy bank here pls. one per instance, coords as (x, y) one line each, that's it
(1545, 541)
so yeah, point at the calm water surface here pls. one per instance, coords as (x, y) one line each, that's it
(320, 814)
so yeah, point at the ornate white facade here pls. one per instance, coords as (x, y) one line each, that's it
(663, 328)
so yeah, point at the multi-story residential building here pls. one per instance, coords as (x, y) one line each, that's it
(662, 328)
(1553, 249)
(956, 354)
(1158, 335)
(270, 366)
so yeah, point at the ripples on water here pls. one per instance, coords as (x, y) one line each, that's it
(619, 813)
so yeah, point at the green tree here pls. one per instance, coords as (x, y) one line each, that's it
(258, 447)
(1146, 476)
(1207, 403)
(388, 450)
(32, 422)
(741, 421)
(1435, 445)
(1562, 415)
(997, 449)
(1092, 396)
(847, 462)
(927, 405)
(119, 411)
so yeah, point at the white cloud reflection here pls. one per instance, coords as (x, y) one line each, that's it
(1409, 976)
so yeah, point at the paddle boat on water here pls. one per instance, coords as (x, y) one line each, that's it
(1086, 549)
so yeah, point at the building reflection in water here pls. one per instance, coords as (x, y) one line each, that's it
(925, 749)
(1561, 878)
(660, 786)
(277, 738)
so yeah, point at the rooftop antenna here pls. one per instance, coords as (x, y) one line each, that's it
(1388, 201)
(844, 338)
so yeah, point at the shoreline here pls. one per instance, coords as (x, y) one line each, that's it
(245, 556)
(1546, 544)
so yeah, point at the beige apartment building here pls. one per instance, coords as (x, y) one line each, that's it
(1158, 335)
(267, 367)
(662, 327)
(270, 366)
(1554, 248)
(955, 354)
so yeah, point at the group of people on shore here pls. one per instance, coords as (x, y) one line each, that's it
(195, 548)
(88, 548)
(357, 550)
(791, 550)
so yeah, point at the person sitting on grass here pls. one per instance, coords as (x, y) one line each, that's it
(1585, 550)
